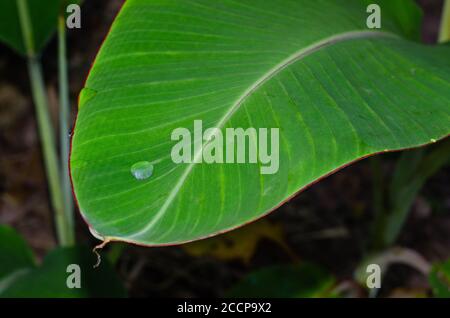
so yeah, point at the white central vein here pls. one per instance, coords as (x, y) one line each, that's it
(263, 79)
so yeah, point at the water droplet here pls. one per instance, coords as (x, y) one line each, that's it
(142, 170)
(433, 140)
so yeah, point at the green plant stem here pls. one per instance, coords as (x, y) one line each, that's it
(444, 34)
(49, 150)
(403, 198)
(44, 126)
(412, 170)
(25, 24)
(64, 122)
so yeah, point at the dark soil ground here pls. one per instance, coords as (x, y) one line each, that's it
(327, 224)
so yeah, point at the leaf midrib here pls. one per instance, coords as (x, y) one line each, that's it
(300, 54)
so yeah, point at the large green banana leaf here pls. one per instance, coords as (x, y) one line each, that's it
(337, 91)
(43, 21)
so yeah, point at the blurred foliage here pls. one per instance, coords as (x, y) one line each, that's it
(406, 14)
(240, 244)
(43, 15)
(412, 171)
(286, 281)
(21, 278)
(14, 253)
(440, 279)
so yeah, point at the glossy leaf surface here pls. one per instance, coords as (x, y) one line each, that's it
(337, 91)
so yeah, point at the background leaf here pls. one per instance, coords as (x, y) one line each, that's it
(242, 243)
(15, 255)
(49, 279)
(44, 18)
(440, 279)
(286, 281)
(405, 14)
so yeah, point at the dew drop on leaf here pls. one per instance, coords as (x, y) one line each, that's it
(142, 170)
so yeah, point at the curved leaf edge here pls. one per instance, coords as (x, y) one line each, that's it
(110, 239)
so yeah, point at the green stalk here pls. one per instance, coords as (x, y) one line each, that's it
(48, 147)
(44, 126)
(64, 122)
(412, 171)
(444, 34)
(403, 194)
